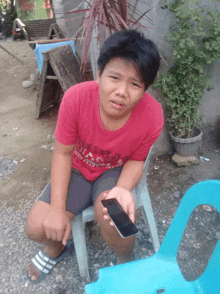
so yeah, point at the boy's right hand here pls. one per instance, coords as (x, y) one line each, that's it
(57, 225)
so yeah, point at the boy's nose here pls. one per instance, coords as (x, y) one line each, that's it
(122, 90)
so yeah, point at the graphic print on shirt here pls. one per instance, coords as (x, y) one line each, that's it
(95, 156)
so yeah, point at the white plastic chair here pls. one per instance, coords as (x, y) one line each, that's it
(142, 199)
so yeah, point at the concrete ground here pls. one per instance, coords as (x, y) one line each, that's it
(27, 144)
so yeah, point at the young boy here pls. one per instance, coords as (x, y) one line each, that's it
(104, 132)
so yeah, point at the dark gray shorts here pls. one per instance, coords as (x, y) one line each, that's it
(81, 192)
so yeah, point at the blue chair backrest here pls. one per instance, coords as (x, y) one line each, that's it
(208, 282)
(206, 192)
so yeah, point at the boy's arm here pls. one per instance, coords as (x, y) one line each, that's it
(60, 174)
(130, 176)
(56, 223)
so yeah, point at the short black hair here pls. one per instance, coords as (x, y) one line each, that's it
(133, 46)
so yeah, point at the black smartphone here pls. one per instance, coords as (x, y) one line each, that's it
(121, 220)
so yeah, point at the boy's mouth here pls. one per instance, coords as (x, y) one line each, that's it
(117, 105)
(117, 102)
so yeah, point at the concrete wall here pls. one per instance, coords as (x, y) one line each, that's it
(210, 105)
(157, 29)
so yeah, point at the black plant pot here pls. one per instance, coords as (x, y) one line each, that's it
(187, 146)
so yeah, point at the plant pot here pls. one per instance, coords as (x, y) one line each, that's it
(187, 146)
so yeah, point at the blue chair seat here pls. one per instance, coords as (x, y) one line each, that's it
(159, 275)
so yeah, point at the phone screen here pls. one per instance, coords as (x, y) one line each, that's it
(119, 217)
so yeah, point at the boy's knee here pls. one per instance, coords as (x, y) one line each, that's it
(28, 230)
(34, 223)
(32, 228)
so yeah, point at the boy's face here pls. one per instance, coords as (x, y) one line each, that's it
(120, 88)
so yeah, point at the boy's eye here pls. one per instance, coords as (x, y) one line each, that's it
(114, 77)
(135, 85)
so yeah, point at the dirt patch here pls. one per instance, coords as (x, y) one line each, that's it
(24, 139)
(12, 72)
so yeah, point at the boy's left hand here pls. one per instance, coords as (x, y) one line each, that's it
(125, 198)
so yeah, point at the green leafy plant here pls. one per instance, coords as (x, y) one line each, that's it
(7, 10)
(4, 6)
(196, 45)
(107, 16)
(7, 16)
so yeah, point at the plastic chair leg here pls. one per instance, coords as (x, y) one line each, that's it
(78, 232)
(149, 217)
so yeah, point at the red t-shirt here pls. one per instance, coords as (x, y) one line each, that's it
(97, 149)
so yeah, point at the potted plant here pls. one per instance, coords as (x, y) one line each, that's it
(101, 18)
(196, 45)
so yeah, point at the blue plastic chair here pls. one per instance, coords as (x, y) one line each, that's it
(160, 273)
(142, 199)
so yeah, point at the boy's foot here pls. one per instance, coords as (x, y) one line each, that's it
(37, 261)
(42, 264)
